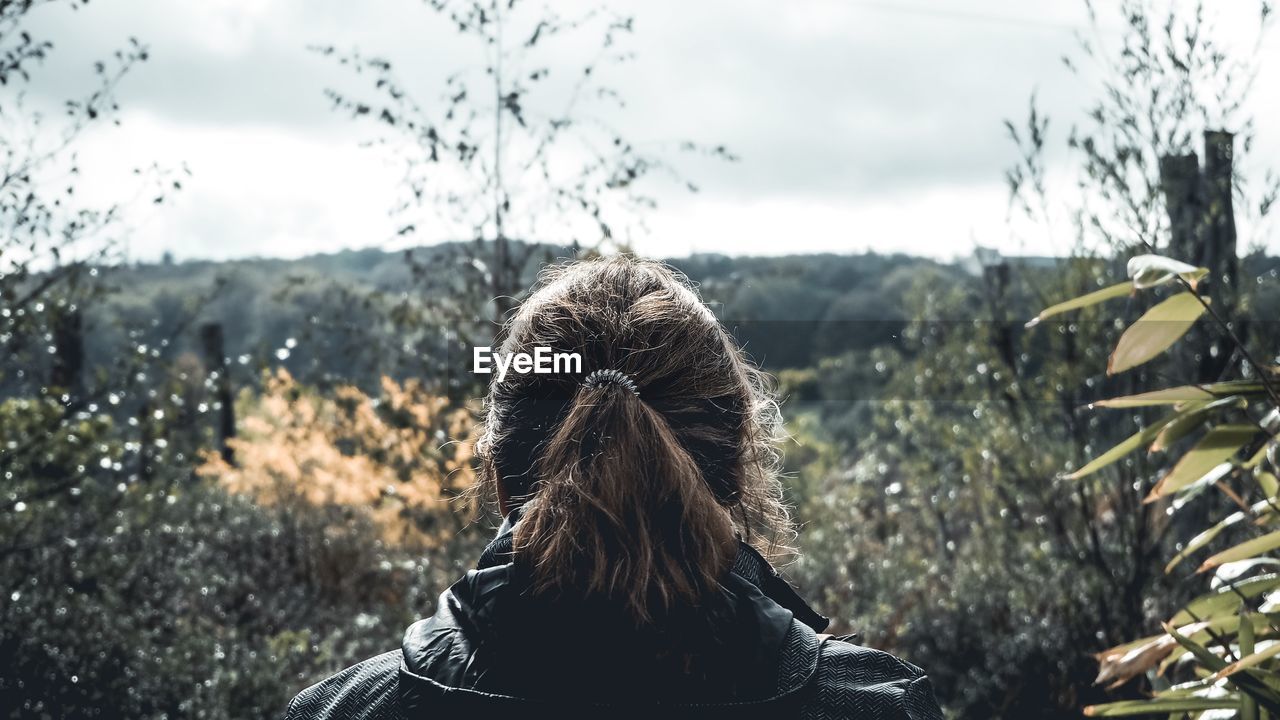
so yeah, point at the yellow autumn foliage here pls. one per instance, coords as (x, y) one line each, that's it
(403, 458)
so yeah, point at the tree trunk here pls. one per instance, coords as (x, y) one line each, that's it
(1219, 245)
(215, 360)
(1203, 232)
(68, 354)
(1180, 183)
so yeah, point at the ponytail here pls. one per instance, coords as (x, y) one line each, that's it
(621, 510)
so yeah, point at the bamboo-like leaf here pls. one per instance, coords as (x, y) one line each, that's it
(1262, 507)
(1189, 417)
(1248, 661)
(1190, 492)
(1268, 482)
(1247, 681)
(1228, 572)
(1243, 551)
(1181, 394)
(1122, 663)
(1256, 459)
(1202, 653)
(1245, 639)
(1222, 625)
(1124, 447)
(1162, 706)
(1225, 599)
(1155, 331)
(1084, 301)
(1219, 445)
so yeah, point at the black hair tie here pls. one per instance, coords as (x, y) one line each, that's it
(610, 376)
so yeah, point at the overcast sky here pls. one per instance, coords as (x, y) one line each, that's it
(860, 124)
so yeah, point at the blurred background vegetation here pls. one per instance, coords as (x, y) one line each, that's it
(223, 481)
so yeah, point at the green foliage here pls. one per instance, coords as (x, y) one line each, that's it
(172, 598)
(939, 522)
(937, 468)
(1235, 453)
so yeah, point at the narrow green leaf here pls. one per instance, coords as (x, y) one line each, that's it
(1219, 445)
(1162, 706)
(1247, 682)
(1167, 396)
(1243, 551)
(1181, 394)
(1245, 636)
(1256, 459)
(1262, 507)
(1202, 653)
(1191, 416)
(1084, 301)
(1155, 331)
(1251, 660)
(1124, 447)
(1268, 482)
(1225, 599)
(1203, 632)
(1248, 654)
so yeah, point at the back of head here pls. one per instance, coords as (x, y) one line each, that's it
(636, 484)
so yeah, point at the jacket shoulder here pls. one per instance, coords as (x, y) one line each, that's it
(856, 681)
(365, 691)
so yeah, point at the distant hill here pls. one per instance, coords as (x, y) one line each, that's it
(354, 315)
(774, 304)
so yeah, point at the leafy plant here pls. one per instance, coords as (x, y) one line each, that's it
(402, 459)
(1219, 652)
(519, 150)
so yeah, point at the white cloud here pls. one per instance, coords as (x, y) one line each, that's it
(862, 125)
(252, 190)
(944, 221)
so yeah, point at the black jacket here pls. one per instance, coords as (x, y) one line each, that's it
(491, 650)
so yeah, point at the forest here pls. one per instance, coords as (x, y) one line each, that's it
(1050, 480)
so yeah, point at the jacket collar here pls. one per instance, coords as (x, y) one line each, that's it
(749, 564)
(448, 658)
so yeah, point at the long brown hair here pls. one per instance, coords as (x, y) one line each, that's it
(635, 496)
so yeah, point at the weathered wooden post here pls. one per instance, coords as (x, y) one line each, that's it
(1219, 230)
(1202, 228)
(216, 361)
(68, 353)
(1180, 184)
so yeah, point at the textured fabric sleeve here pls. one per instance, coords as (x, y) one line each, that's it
(858, 683)
(920, 702)
(366, 691)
